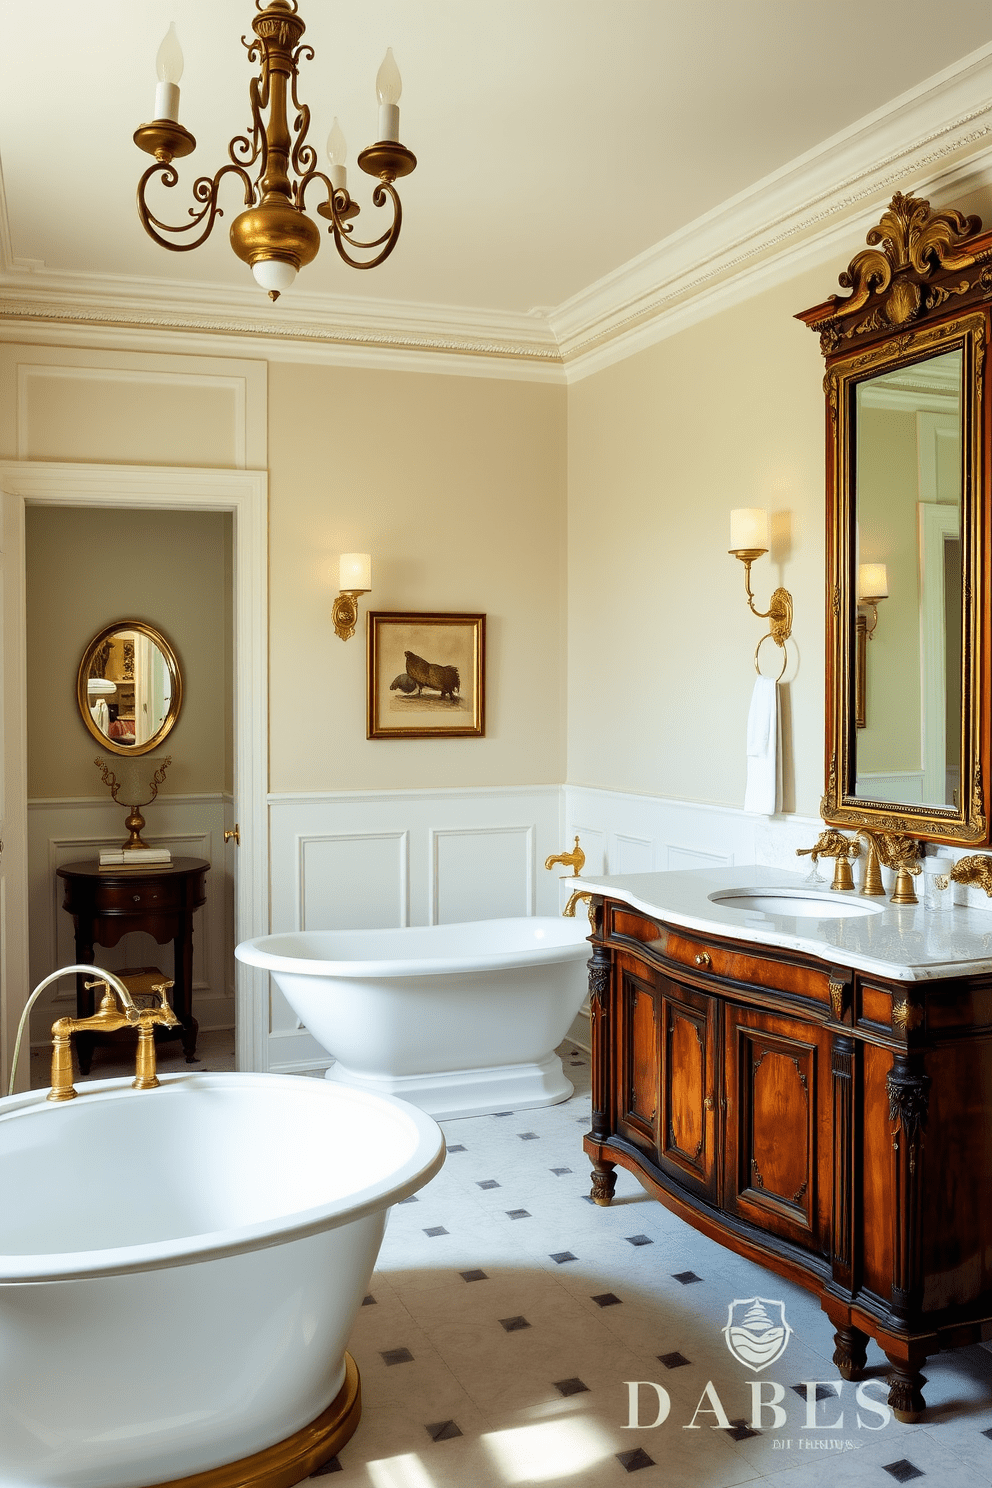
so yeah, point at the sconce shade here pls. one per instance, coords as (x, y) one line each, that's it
(873, 581)
(356, 571)
(749, 529)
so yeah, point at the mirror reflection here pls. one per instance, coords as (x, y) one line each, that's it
(907, 482)
(129, 687)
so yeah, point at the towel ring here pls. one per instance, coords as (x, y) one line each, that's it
(785, 656)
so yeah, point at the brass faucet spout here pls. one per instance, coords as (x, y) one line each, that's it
(574, 859)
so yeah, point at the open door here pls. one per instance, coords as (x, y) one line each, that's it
(14, 987)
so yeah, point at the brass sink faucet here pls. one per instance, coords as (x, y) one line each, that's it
(574, 860)
(833, 844)
(873, 874)
(107, 1019)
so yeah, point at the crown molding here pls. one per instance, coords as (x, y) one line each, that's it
(317, 327)
(935, 136)
(788, 219)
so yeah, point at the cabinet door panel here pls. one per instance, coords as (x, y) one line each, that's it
(637, 1082)
(686, 1139)
(779, 1162)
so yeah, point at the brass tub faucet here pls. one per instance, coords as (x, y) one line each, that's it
(107, 1019)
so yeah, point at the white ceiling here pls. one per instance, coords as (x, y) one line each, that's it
(557, 139)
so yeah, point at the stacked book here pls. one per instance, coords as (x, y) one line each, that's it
(115, 858)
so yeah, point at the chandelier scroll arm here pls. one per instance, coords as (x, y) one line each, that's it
(304, 156)
(205, 190)
(389, 237)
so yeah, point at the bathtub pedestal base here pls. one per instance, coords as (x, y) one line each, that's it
(293, 1460)
(448, 1094)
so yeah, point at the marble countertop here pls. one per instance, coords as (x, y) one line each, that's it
(905, 942)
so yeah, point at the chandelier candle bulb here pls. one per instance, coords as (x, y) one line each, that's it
(169, 66)
(388, 87)
(337, 151)
(749, 529)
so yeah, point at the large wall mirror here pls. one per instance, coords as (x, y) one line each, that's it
(907, 517)
(129, 687)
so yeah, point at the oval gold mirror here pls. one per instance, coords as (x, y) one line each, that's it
(129, 687)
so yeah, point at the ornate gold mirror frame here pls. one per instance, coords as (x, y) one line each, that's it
(923, 287)
(113, 658)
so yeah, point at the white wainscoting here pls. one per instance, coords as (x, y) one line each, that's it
(373, 859)
(624, 833)
(70, 831)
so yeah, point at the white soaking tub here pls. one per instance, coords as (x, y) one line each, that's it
(459, 1019)
(179, 1272)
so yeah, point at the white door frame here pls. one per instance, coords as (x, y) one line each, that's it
(243, 493)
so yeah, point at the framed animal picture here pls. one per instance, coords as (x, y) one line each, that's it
(426, 676)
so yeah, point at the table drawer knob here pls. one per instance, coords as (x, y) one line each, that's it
(137, 900)
(703, 959)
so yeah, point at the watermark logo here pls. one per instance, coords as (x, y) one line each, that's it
(757, 1332)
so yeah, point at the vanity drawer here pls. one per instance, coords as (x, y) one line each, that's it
(740, 964)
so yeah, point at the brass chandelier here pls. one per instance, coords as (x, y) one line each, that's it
(274, 236)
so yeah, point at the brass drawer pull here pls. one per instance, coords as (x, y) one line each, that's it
(708, 1103)
(703, 959)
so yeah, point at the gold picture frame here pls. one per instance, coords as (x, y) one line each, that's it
(426, 676)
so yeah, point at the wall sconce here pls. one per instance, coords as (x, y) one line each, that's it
(873, 587)
(355, 578)
(748, 540)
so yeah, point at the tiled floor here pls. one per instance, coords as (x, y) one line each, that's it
(507, 1314)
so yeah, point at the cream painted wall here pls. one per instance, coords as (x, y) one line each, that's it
(87, 567)
(456, 486)
(661, 447)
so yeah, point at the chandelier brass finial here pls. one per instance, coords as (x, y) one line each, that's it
(274, 235)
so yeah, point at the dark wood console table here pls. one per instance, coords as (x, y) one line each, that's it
(107, 904)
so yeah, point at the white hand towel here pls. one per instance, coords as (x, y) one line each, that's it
(764, 753)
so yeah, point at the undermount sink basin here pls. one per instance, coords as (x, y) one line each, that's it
(794, 903)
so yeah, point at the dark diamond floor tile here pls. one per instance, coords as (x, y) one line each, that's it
(588, 1198)
(606, 1299)
(674, 1360)
(514, 1324)
(487, 1183)
(631, 1461)
(368, 1300)
(559, 1171)
(573, 1386)
(502, 1113)
(685, 1277)
(582, 1120)
(411, 1200)
(474, 1275)
(823, 1392)
(988, 1433)
(436, 1230)
(331, 1465)
(903, 1471)
(518, 1214)
(528, 1136)
(638, 1240)
(458, 1148)
(561, 1256)
(443, 1431)
(396, 1356)
(739, 1430)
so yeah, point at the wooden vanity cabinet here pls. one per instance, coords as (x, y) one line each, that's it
(833, 1126)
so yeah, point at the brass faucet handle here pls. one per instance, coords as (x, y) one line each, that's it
(162, 988)
(831, 844)
(976, 869)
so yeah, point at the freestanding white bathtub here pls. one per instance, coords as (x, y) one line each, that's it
(179, 1272)
(459, 1019)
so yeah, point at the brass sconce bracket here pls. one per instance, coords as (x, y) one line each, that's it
(344, 612)
(779, 612)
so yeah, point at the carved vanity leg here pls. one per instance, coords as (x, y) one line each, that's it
(604, 1182)
(851, 1353)
(906, 1387)
(604, 1176)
